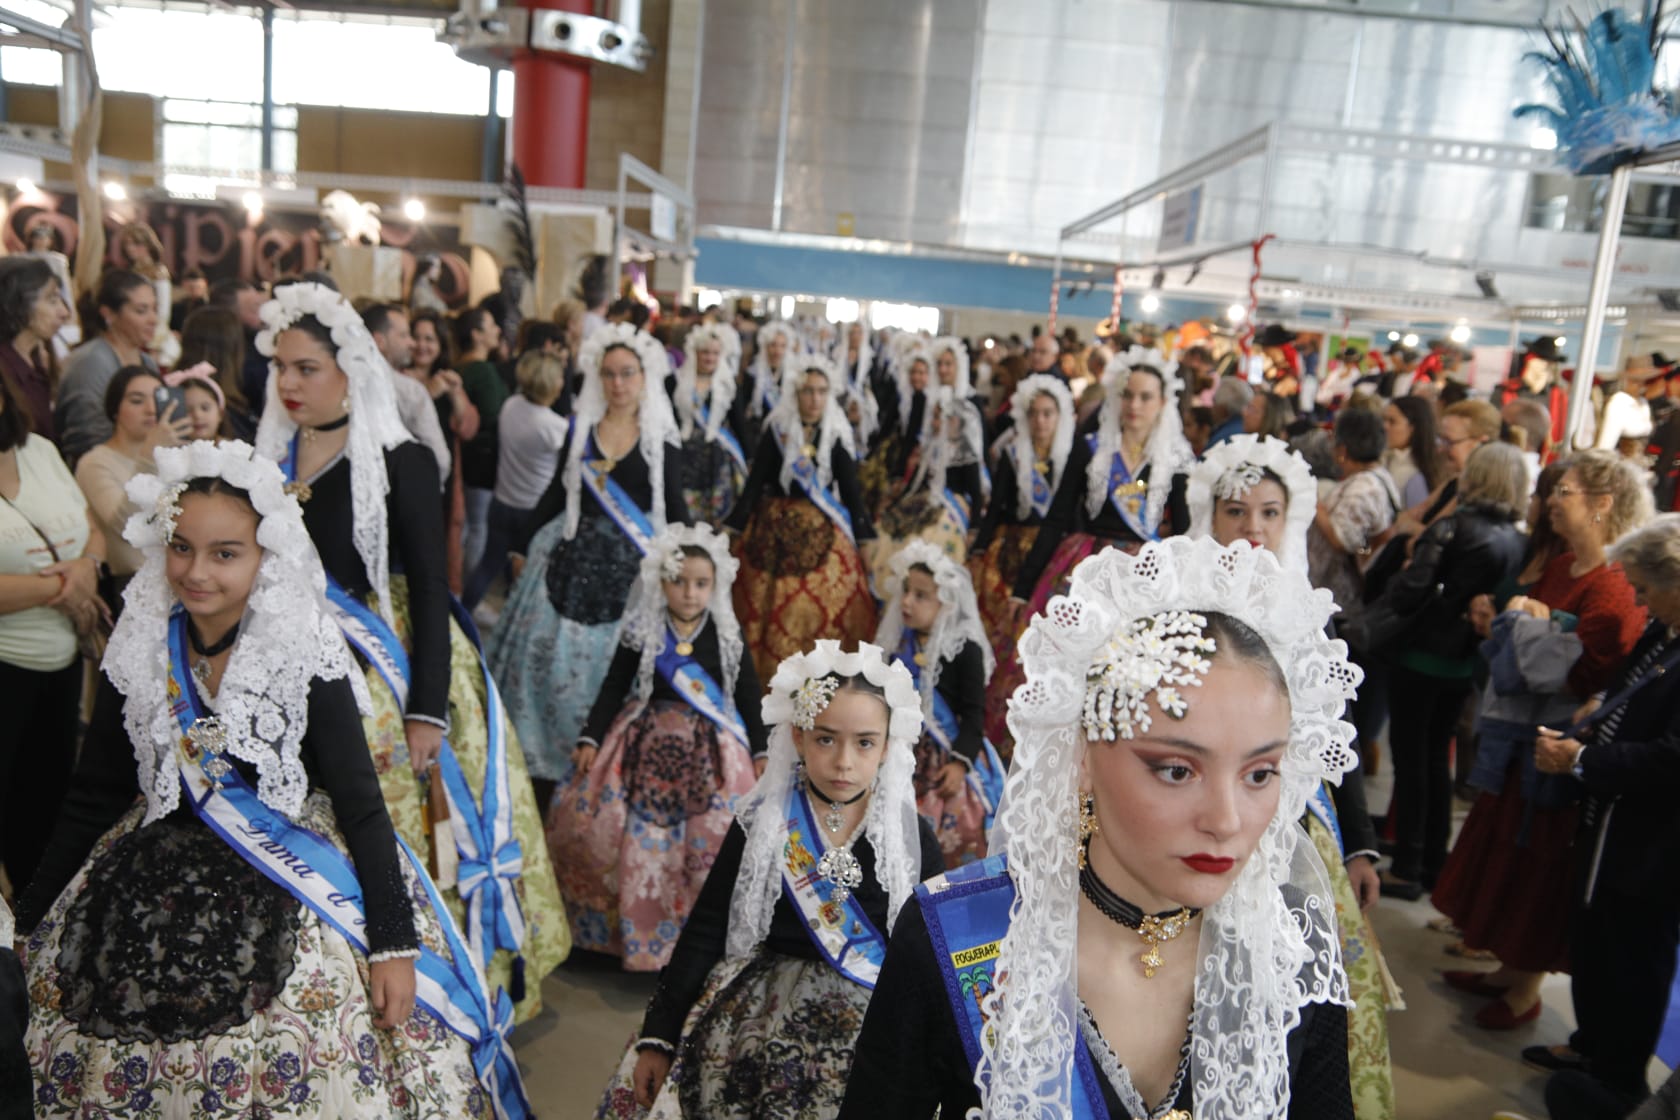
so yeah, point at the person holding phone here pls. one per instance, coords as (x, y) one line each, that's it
(144, 415)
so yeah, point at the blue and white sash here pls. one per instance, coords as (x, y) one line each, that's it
(956, 507)
(805, 473)
(841, 931)
(689, 679)
(986, 773)
(967, 915)
(725, 438)
(1321, 806)
(613, 498)
(1041, 492)
(1127, 494)
(320, 876)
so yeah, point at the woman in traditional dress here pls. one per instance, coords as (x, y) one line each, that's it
(251, 936)
(800, 520)
(1031, 465)
(932, 625)
(757, 1012)
(775, 355)
(667, 751)
(905, 423)
(714, 463)
(943, 495)
(854, 358)
(370, 503)
(619, 483)
(1152, 935)
(1256, 489)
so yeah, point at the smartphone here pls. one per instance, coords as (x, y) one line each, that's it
(164, 396)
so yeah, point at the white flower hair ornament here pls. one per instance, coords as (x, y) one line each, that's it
(795, 695)
(1235, 467)
(1030, 389)
(1133, 626)
(646, 615)
(1166, 450)
(287, 637)
(959, 619)
(375, 426)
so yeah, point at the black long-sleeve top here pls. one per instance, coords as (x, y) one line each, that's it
(627, 662)
(909, 1058)
(630, 472)
(962, 682)
(766, 478)
(1068, 515)
(414, 528)
(964, 481)
(335, 756)
(1003, 509)
(910, 435)
(705, 935)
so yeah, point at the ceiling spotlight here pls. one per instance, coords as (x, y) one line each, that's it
(115, 191)
(414, 210)
(24, 186)
(253, 203)
(1460, 334)
(1409, 341)
(1484, 281)
(1151, 303)
(1236, 313)
(1561, 341)
(1394, 336)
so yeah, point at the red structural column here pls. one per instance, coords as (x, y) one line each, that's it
(551, 109)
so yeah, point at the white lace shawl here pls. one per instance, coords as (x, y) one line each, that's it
(890, 821)
(856, 377)
(959, 351)
(287, 637)
(646, 614)
(1231, 468)
(1270, 945)
(764, 379)
(946, 444)
(1166, 451)
(658, 426)
(908, 356)
(957, 624)
(786, 427)
(722, 397)
(1031, 388)
(375, 424)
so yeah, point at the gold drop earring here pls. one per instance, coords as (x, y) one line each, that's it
(1087, 824)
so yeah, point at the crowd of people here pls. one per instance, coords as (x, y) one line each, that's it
(917, 707)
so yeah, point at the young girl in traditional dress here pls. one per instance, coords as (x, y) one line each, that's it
(210, 949)
(801, 518)
(1256, 489)
(370, 502)
(932, 625)
(1151, 936)
(757, 1012)
(666, 752)
(710, 420)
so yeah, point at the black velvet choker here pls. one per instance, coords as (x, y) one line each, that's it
(214, 648)
(333, 426)
(1154, 929)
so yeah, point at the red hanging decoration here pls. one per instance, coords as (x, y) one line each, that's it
(1245, 339)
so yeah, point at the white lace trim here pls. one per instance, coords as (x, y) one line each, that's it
(1224, 474)
(1166, 451)
(1270, 944)
(286, 639)
(722, 397)
(1030, 388)
(855, 379)
(911, 349)
(788, 430)
(946, 444)
(958, 622)
(890, 822)
(1119, 1078)
(767, 381)
(375, 424)
(646, 614)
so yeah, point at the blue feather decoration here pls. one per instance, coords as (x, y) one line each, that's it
(1603, 75)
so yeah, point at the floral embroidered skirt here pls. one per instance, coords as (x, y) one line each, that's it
(801, 579)
(994, 572)
(1374, 993)
(547, 938)
(634, 838)
(959, 822)
(173, 979)
(711, 480)
(875, 475)
(918, 516)
(770, 1039)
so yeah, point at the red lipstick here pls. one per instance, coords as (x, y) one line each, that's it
(292, 406)
(1209, 865)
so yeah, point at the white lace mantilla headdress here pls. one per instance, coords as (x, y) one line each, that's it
(890, 821)
(722, 399)
(764, 379)
(911, 349)
(789, 430)
(658, 425)
(1166, 451)
(287, 637)
(375, 424)
(1030, 389)
(854, 380)
(959, 351)
(646, 615)
(1232, 468)
(952, 436)
(1270, 945)
(959, 614)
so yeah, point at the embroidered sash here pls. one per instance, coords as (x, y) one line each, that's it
(841, 931)
(967, 915)
(986, 773)
(1041, 492)
(1127, 494)
(689, 679)
(725, 438)
(320, 876)
(956, 507)
(613, 498)
(805, 473)
(1321, 806)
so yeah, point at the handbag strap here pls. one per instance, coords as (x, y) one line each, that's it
(46, 540)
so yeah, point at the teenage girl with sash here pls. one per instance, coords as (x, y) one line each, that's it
(801, 518)
(714, 465)
(1152, 936)
(932, 625)
(618, 486)
(370, 502)
(854, 359)
(758, 1010)
(1254, 488)
(1032, 463)
(666, 752)
(775, 354)
(251, 935)
(904, 422)
(943, 496)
